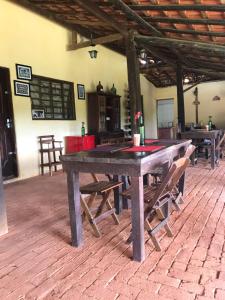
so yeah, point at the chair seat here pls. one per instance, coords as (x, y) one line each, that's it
(149, 194)
(99, 187)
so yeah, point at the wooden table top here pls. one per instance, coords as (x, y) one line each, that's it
(121, 160)
(200, 133)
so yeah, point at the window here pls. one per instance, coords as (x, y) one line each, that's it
(53, 98)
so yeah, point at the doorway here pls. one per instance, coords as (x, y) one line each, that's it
(7, 130)
(165, 118)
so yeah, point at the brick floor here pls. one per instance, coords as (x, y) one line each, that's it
(37, 261)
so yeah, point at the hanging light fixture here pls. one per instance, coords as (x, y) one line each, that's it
(93, 53)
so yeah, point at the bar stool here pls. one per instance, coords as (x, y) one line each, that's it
(48, 146)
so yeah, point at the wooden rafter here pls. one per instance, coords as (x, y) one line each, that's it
(134, 16)
(179, 7)
(100, 40)
(177, 43)
(185, 20)
(96, 11)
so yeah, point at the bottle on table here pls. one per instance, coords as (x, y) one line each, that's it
(82, 129)
(141, 130)
(210, 123)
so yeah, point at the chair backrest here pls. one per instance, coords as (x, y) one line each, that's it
(221, 143)
(175, 172)
(190, 149)
(46, 140)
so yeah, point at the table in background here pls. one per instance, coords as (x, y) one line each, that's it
(213, 135)
(134, 164)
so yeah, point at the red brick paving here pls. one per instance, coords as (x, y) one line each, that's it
(37, 261)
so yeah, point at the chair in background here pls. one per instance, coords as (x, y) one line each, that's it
(92, 208)
(158, 200)
(50, 149)
(220, 148)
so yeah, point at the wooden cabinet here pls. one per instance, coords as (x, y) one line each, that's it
(104, 116)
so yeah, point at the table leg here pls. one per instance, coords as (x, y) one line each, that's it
(137, 207)
(118, 204)
(213, 150)
(74, 208)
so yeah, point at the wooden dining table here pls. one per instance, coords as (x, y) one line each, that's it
(201, 134)
(119, 160)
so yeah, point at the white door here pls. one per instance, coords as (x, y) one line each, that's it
(165, 113)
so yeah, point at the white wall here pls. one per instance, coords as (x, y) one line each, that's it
(30, 39)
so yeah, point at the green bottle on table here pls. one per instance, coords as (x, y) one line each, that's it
(82, 129)
(141, 130)
(210, 122)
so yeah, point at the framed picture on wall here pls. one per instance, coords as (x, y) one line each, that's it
(80, 91)
(21, 88)
(38, 114)
(23, 72)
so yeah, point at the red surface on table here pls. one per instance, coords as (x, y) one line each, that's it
(149, 141)
(143, 148)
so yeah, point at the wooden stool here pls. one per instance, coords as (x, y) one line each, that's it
(48, 146)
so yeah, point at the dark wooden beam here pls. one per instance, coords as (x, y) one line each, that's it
(133, 79)
(193, 85)
(100, 14)
(3, 217)
(100, 40)
(215, 75)
(179, 7)
(185, 20)
(178, 43)
(135, 17)
(193, 32)
(180, 98)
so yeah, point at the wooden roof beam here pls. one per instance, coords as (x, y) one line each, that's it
(218, 75)
(179, 7)
(193, 32)
(135, 17)
(185, 21)
(99, 40)
(219, 50)
(100, 14)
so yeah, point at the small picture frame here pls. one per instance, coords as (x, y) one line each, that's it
(80, 91)
(23, 72)
(38, 114)
(21, 88)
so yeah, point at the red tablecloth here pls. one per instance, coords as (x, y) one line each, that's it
(143, 148)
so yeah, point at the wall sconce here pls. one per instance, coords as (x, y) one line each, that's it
(93, 53)
(216, 98)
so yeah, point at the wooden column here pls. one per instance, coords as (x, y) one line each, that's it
(180, 98)
(3, 218)
(133, 79)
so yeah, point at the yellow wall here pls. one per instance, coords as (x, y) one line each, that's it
(206, 92)
(33, 40)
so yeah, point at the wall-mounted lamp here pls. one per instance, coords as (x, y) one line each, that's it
(216, 98)
(93, 53)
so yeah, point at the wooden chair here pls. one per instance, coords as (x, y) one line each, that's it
(158, 200)
(221, 146)
(51, 147)
(97, 213)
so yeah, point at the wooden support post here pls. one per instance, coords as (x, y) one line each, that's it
(3, 217)
(133, 79)
(180, 98)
